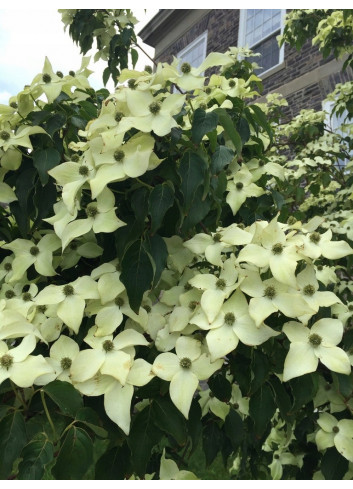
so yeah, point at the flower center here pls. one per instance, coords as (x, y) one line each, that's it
(75, 158)
(208, 90)
(34, 250)
(231, 83)
(335, 429)
(315, 340)
(26, 297)
(68, 290)
(217, 237)
(9, 294)
(60, 74)
(83, 170)
(270, 292)
(66, 363)
(46, 78)
(14, 105)
(148, 68)
(221, 284)
(7, 267)
(147, 308)
(185, 68)
(119, 155)
(277, 249)
(320, 268)
(309, 290)
(229, 318)
(350, 307)
(119, 301)
(41, 309)
(6, 361)
(108, 346)
(4, 135)
(315, 237)
(187, 286)
(154, 107)
(192, 305)
(185, 363)
(71, 73)
(239, 185)
(132, 83)
(92, 211)
(118, 116)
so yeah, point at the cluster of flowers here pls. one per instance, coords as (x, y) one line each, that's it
(197, 315)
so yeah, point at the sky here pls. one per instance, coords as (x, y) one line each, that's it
(29, 34)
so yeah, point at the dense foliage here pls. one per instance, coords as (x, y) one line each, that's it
(175, 269)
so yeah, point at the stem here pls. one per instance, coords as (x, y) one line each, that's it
(145, 184)
(18, 396)
(144, 52)
(47, 412)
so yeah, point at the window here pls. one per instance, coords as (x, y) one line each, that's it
(195, 52)
(333, 123)
(258, 30)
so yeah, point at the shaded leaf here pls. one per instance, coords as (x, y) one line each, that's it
(233, 427)
(228, 125)
(13, 438)
(136, 273)
(169, 419)
(261, 408)
(114, 464)
(212, 441)
(333, 465)
(35, 456)
(220, 387)
(221, 158)
(192, 171)
(203, 122)
(65, 396)
(44, 160)
(160, 200)
(75, 456)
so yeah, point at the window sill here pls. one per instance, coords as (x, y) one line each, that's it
(272, 71)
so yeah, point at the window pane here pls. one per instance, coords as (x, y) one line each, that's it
(269, 51)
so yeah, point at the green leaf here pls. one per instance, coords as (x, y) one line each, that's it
(212, 441)
(192, 171)
(90, 418)
(134, 56)
(259, 370)
(160, 200)
(194, 424)
(304, 389)
(262, 407)
(157, 249)
(44, 160)
(282, 399)
(344, 384)
(78, 122)
(220, 387)
(221, 158)
(197, 211)
(169, 419)
(88, 110)
(136, 273)
(75, 456)
(144, 435)
(106, 75)
(54, 123)
(261, 119)
(13, 438)
(203, 122)
(244, 130)
(278, 199)
(114, 464)
(38, 453)
(228, 125)
(44, 200)
(65, 396)
(333, 465)
(234, 429)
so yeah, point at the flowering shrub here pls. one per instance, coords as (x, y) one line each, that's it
(175, 272)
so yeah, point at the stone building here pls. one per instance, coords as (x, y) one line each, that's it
(304, 78)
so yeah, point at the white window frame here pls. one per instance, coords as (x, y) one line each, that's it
(203, 37)
(242, 35)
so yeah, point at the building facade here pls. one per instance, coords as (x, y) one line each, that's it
(304, 78)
